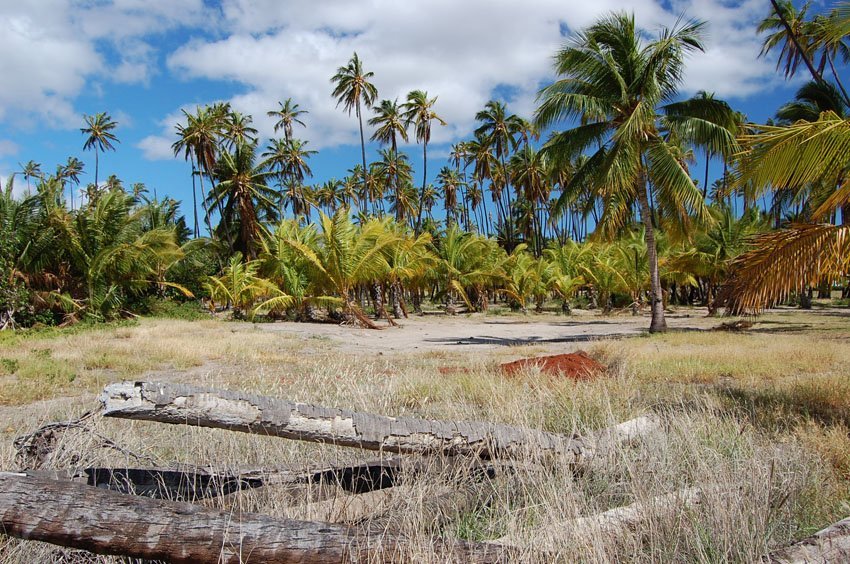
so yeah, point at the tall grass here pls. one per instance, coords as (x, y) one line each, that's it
(763, 483)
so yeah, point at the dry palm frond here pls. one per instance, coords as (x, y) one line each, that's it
(783, 262)
(800, 154)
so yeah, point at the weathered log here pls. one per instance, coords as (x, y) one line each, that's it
(607, 524)
(181, 404)
(105, 522)
(831, 544)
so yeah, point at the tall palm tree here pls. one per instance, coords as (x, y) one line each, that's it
(529, 170)
(500, 131)
(99, 136)
(288, 114)
(419, 111)
(450, 182)
(390, 124)
(237, 130)
(617, 85)
(352, 88)
(394, 171)
(246, 200)
(31, 170)
(71, 170)
(290, 160)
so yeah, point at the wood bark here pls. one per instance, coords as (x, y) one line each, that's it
(105, 522)
(236, 411)
(831, 544)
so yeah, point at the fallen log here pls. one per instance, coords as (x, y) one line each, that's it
(607, 524)
(237, 411)
(104, 522)
(831, 544)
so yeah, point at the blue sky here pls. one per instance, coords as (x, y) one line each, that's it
(144, 60)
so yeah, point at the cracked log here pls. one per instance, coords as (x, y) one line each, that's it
(104, 522)
(831, 544)
(237, 411)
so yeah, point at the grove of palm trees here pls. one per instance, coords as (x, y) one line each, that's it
(589, 216)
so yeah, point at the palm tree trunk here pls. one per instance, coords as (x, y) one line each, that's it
(418, 228)
(362, 144)
(96, 169)
(195, 200)
(656, 299)
(837, 79)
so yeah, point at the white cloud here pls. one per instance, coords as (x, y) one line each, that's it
(56, 48)
(463, 52)
(8, 148)
(460, 51)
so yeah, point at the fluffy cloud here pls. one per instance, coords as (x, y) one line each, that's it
(53, 48)
(462, 52)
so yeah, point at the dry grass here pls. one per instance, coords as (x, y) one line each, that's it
(757, 419)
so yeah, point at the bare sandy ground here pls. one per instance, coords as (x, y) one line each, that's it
(476, 332)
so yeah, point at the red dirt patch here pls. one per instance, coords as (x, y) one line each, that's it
(444, 370)
(577, 366)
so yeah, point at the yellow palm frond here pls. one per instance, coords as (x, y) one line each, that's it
(783, 262)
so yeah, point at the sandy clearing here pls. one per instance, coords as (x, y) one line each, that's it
(476, 333)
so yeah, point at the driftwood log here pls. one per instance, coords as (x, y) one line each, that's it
(104, 522)
(237, 411)
(608, 524)
(831, 544)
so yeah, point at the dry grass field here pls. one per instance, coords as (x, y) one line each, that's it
(758, 419)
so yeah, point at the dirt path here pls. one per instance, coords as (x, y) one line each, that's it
(476, 332)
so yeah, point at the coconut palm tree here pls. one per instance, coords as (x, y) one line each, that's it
(352, 88)
(99, 136)
(236, 129)
(450, 182)
(394, 172)
(71, 170)
(289, 158)
(419, 111)
(31, 170)
(390, 124)
(288, 114)
(344, 257)
(620, 87)
(243, 195)
(198, 141)
(529, 170)
(499, 130)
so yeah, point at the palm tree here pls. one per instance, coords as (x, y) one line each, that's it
(352, 87)
(499, 131)
(286, 116)
(419, 111)
(616, 84)
(529, 171)
(99, 136)
(72, 170)
(344, 257)
(198, 141)
(290, 160)
(450, 182)
(243, 195)
(31, 170)
(237, 129)
(390, 123)
(395, 172)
